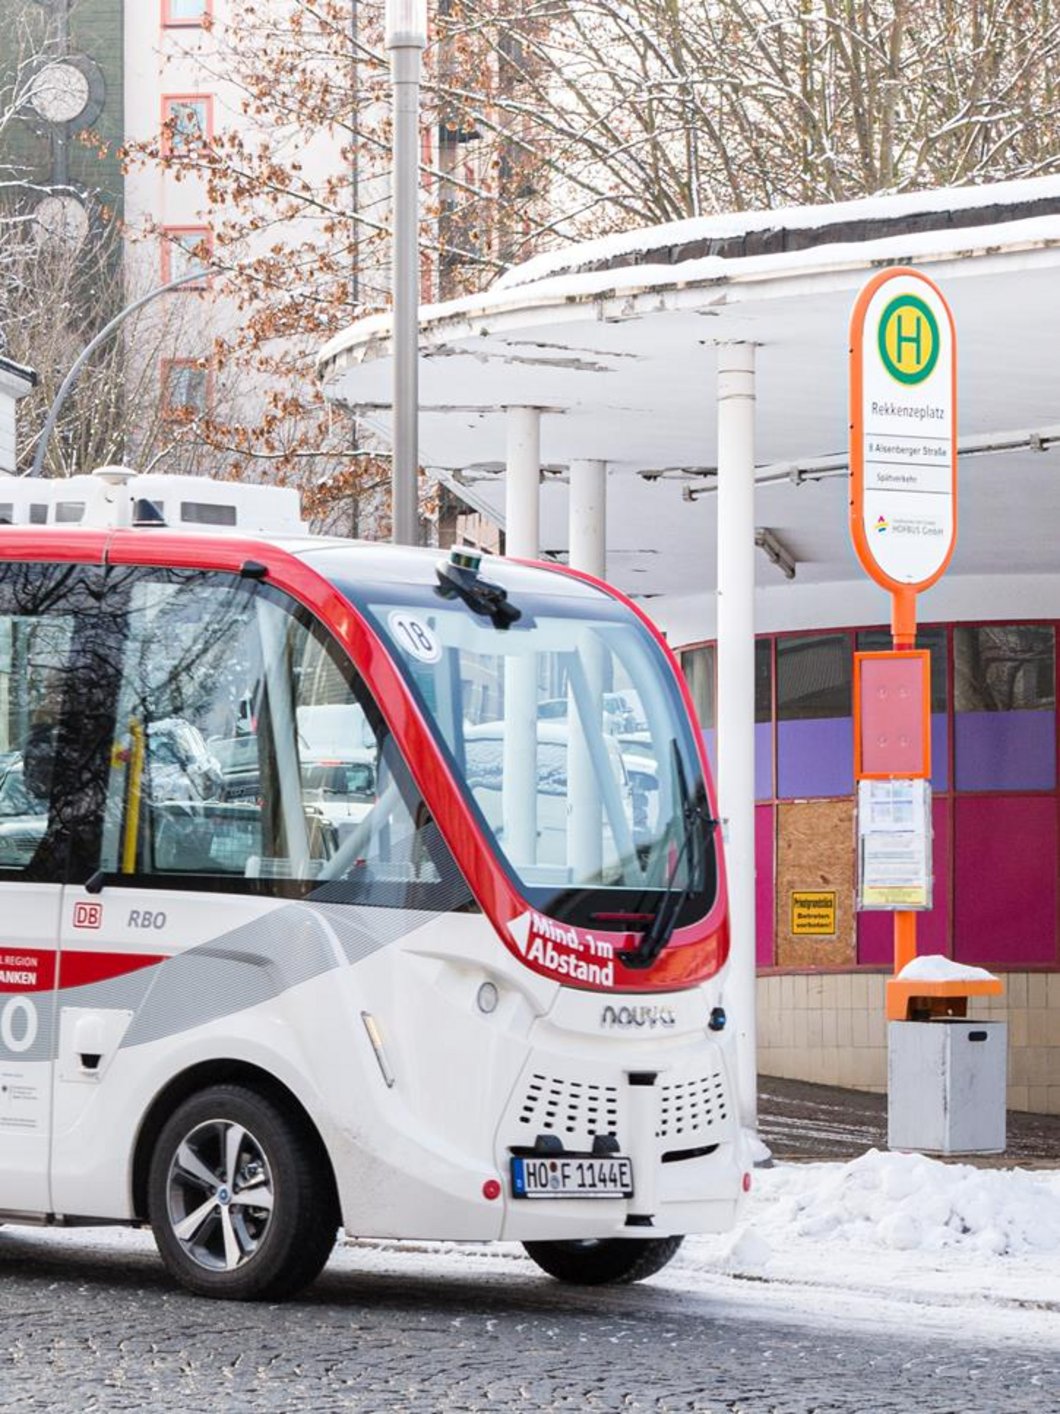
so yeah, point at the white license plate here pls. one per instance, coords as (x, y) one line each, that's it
(568, 1176)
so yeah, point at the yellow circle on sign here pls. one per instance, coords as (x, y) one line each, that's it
(909, 339)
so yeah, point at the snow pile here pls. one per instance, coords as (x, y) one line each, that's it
(906, 1202)
(933, 967)
(725, 225)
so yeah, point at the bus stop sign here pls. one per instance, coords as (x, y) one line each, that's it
(903, 419)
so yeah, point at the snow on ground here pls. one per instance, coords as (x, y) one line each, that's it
(896, 1236)
(887, 1241)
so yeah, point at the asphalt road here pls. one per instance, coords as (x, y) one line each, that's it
(85, 1329)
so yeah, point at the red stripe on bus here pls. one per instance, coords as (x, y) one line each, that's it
(81, 969)
(33, 969)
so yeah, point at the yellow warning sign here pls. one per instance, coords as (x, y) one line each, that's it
(813, 914)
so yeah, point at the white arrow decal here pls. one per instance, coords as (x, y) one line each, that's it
(520, 930)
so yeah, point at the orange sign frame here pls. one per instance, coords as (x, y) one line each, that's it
(917, 655)
(904, 593)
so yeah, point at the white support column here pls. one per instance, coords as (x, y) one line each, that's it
(522, 541)
(736, 695)
(588, 552)
(522, 491)
(588, 517)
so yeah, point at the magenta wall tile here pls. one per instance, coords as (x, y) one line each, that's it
(1005, 880)
(764, 895)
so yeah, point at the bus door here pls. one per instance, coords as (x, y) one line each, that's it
(208, 820)
(177, 859)
(44, 609)
(205, 827)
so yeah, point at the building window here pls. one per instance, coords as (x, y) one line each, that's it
(187, 119)
(185, 388)
(815, 734)
(1004, 721)
(699, 667)
(185, 12)
(186, 250)
(697, 664)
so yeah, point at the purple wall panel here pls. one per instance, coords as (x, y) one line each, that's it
(763, 757)
(763, 760)
(765, 903)
(710, 736)
(1005, 750)
(815, 757)
(876, 930)
(940, 755)
(1005, 880)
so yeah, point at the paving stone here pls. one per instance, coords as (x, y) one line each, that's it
(85, 1330)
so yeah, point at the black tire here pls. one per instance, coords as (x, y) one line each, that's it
(603, 1261)
(229, 1145)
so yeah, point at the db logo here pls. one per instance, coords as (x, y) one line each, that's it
(88, 915)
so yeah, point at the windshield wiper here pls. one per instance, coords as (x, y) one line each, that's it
(458, 576)
(664, 921)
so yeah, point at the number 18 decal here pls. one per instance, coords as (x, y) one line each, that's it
(415, 637)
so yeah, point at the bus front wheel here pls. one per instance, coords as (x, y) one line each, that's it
(241, 1204)
(604, 1260)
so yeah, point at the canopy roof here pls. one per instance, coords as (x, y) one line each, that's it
(616, 341)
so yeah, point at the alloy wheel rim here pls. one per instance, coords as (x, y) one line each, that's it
(220, 1196)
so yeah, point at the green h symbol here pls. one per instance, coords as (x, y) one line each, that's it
(907, 324)
(901, 337)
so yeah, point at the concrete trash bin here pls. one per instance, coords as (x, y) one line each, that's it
(946, 1085)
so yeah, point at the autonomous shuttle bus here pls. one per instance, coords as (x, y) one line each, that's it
(457, 976)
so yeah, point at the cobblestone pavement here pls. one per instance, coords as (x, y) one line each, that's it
(85, 1329)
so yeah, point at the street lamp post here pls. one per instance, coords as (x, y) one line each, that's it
(406, 38)
(87, 352)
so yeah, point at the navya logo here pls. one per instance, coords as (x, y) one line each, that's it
(881, 524)
(627, 1017)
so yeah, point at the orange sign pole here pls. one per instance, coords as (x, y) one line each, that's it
(903, 635)
(903, 457)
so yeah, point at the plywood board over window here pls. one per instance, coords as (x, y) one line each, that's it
(815, 854)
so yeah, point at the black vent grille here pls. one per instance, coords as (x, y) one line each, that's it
(569, 1108)
(689, 1109)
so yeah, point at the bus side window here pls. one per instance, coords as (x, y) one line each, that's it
(246, 749)
(41, 609)
(191, 651)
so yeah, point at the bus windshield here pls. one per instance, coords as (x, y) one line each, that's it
(570, 737)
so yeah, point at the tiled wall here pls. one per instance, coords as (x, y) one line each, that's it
(831, 1028)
